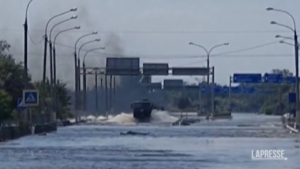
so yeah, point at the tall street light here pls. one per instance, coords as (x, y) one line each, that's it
(45, 50)
(54, 62)
(78, 63)
(287, 43)
(52, 89)
(296, 46)
(84, 76)
(76, 66)
(26, 44)
(208, 52)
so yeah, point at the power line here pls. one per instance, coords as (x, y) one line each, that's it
(224, 54)
(166, 57)
(155, 32)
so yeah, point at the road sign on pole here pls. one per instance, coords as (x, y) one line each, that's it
(20, 104)
(247, 78)
(173, 84)
(123, 66)
(290, 80)
(30, 98)
(292, 97)
(273, 78)
(183, 71)
(236, 90)
(218, 90)
(225, 89)
(155, 86)
(155, 69)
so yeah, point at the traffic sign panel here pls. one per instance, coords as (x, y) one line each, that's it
(182, 71)
(292, 97)
(20, 104)
(290, 80)
(236, 90)
(30, 97)
(156, 69)
(123, 66)
(155, 86)
(247, 78)
(218, 90)
(273, 78)
(225, 89)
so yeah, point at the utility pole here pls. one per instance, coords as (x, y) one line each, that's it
(96, 91)
(106, 96)
(84, 86)
(102, 93)
(110, 93)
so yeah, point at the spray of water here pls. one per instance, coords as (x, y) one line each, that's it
(127, 118)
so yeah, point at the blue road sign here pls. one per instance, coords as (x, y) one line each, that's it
(273, 78)
(248, 90)
(225, 89)
(30, 97)
(247, 78)
(20, 104)
(292, 97)
(236, 90)
(290, 80)
(218, 90)
(204, 89)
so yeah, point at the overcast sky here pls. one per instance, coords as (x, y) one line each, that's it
(157, 31)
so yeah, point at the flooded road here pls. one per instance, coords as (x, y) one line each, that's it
(211, 145)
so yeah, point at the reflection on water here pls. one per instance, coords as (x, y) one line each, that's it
(219, 144)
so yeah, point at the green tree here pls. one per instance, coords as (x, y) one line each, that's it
(63, 102)
(5, 108)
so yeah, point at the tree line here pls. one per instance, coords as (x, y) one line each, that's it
(13, 82)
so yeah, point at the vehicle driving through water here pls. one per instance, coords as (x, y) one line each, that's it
(142, 110)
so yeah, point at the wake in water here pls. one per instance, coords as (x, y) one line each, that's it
(127, 118)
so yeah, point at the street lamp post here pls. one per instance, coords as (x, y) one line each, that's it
(78, 62)
(26, 44)
(76, 67)
(208, 52)
(45, 51)
(84, 77)
(296, 46)
(52, 60)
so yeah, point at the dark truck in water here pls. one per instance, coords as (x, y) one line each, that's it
(142, 109)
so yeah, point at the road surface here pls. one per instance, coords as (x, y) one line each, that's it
(213, 145)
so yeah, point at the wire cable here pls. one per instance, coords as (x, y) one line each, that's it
(158, 32)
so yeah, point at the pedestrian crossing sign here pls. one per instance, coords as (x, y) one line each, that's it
(30, 97)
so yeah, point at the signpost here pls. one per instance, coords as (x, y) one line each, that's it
(236, 90)
(273, 78)
(170, 84)
(155, 86)
(183, 71)
(123, 66)
(292, 97)
(156, 69)
(290, 80)
(30, 98)
(20, 105)
(247, 78)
